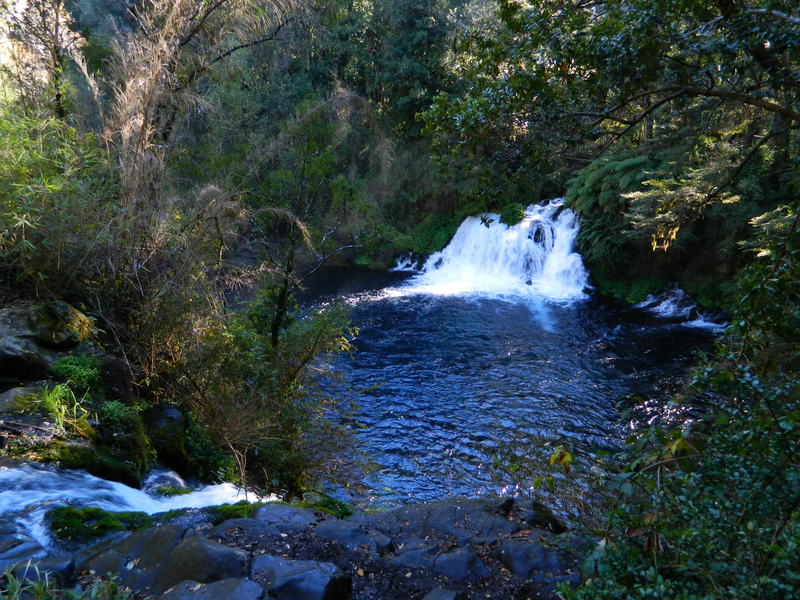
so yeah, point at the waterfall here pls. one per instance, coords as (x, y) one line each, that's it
(533, 257)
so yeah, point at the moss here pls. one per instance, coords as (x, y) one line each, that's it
(83, 524)
(331, 506)
(240, 510)
(121, 429)
(172, 490)
(98, 461)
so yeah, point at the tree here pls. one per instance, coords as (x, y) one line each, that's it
(43, 39)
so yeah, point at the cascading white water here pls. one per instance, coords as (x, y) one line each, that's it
(27, 492)
(534, 257)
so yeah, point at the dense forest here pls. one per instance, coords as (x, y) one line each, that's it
(177, 169)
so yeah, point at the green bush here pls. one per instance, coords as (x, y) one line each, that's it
(82, 371)
(711, 509)
(512, 213)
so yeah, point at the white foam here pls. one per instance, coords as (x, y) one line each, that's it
(486, 257)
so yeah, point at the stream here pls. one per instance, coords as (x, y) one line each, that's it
(496, 347)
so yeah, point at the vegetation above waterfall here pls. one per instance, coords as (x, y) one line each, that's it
(161, 163)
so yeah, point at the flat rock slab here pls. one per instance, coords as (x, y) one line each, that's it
(224, 589)
(284, 517)
(352, 536)
(460, 565)
(455, 520)
(300, 579)
(249, 529)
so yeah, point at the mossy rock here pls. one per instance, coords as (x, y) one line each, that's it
(100, 462)
(59, 326)
(240, 510)
(84, 524)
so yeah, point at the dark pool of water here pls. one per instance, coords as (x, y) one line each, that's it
(453, 382)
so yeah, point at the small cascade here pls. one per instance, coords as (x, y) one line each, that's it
(533, 257)
(677, 305)
(28, 492)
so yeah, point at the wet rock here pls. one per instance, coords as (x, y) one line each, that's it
(162, 478)
(7, 398)
(295, 579)
(538, 515)
(55, 569)
(17, 548)
(352, 536)
(166, 429)
(460, 565)
(284, 517)
(224, 589)
(153, 560)
(250, 529)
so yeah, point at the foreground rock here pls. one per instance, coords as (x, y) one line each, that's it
(452, 549)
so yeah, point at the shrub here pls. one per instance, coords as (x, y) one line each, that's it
(512, 213)
(82, 371)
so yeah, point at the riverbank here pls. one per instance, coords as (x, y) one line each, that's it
(454, 548)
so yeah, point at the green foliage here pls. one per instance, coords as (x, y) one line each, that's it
(121, 429)
(82, 371)
(55, 183)
(85, 524)
(434, 233)
(512, 213)
(60, 404)
(20, 588)
(710, 509)
(331, 506)
(256, 392)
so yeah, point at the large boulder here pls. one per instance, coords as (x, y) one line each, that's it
(300, 579)
(153, 560)
(224, 589)
(58, 325)
(30, 335)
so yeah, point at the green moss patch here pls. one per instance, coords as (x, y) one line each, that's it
(83, 524)
(240, 510)
(172, 490)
